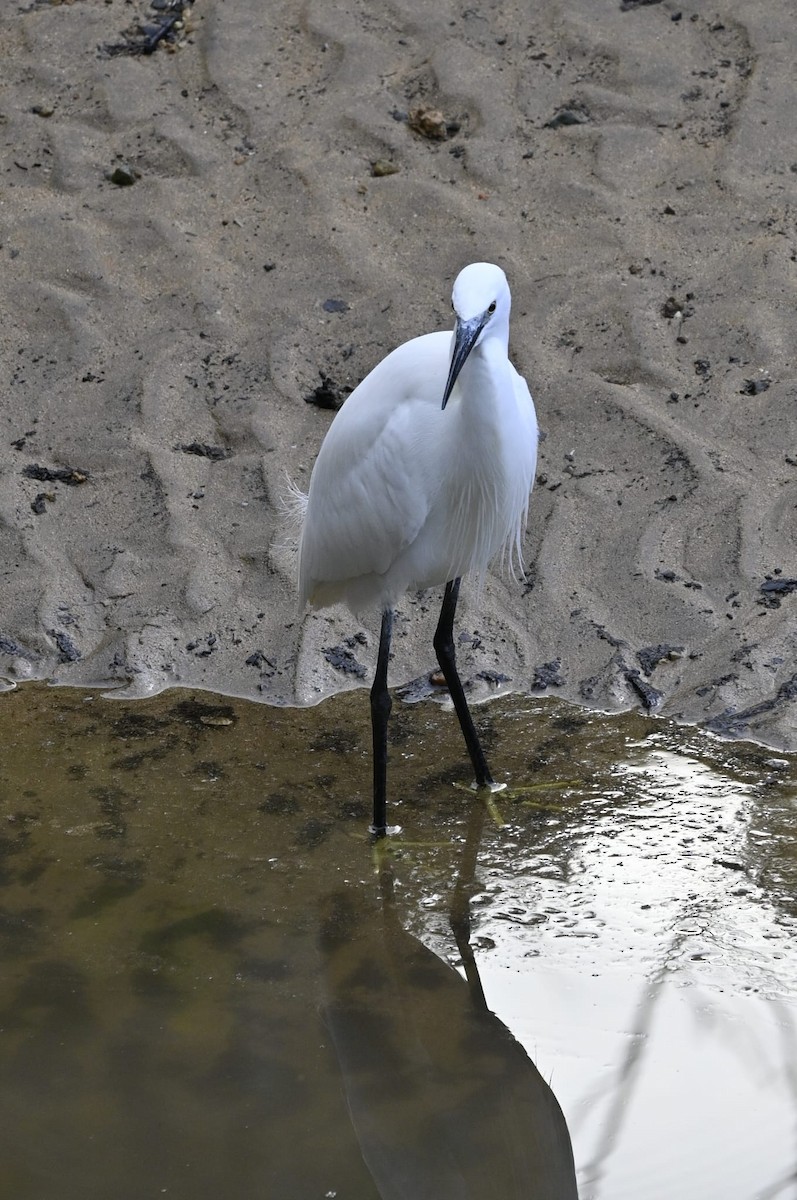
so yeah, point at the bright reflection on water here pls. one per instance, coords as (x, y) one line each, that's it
(209, 988)
(664, 975)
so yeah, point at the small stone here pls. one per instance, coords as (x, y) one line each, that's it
(754, 387)
(571, 115)
(123, 176)
(203, 450)
(429, 123)
(38, 505)
(327, 394)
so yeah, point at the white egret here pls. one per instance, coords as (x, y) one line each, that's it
(424, 475)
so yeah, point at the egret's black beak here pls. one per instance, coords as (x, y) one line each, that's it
(465, 336)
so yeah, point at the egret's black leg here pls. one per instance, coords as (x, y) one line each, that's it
(381, 705)
(444, 649)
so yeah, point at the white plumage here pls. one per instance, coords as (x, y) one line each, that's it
(425, 472)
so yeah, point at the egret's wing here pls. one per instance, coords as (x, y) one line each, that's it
(366, 504)
(374, 480)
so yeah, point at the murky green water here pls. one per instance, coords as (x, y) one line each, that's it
(210, 988)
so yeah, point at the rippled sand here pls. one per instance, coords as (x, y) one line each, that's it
(631, 167)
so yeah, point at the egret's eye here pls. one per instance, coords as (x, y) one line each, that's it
(491, 309)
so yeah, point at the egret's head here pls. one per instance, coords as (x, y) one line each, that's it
(481, 301)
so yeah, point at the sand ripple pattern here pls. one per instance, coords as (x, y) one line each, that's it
(630, 167)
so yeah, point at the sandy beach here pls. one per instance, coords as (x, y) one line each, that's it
(204, 247)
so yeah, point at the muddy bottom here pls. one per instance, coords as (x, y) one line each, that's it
(212, 986)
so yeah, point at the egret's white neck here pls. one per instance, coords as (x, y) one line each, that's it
(485, 380)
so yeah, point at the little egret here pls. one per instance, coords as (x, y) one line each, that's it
(424, 474)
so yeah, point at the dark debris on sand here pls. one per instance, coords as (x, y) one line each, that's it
(166, 26)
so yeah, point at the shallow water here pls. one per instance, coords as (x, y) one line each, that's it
(211, 987)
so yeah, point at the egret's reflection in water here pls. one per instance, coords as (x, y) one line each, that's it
(445, 1102)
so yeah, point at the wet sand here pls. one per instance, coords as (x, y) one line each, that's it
(632, 169)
